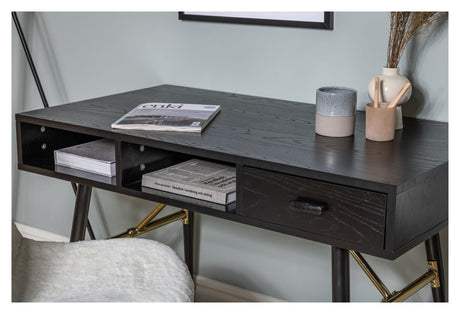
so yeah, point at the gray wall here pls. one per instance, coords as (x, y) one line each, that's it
(84, 55)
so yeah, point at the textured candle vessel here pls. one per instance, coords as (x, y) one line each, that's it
(335, 111)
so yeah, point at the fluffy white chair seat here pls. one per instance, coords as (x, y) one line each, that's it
(119, 270)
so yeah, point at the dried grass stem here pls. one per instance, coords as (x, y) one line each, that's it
(404, 26)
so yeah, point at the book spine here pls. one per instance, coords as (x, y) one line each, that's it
(184, 189)
(84, 164)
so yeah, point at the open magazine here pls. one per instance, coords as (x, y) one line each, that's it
(168, 117)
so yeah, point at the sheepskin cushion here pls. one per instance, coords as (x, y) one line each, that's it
(118, 270)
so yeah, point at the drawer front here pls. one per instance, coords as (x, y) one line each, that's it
(329, 210)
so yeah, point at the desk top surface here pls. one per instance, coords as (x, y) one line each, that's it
(267, 133)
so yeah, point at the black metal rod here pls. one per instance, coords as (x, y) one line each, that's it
(40, 90)
(90, 230)
(433, 254)
(88, 226)
(29, 59)
(74, 187)
(80, 216)
(188, 242)
(340, 275)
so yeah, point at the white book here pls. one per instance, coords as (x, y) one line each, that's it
(95, 157)
(196, 178)
(168, 117)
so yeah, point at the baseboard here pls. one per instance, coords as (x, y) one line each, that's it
(39, 234)
(207, 289)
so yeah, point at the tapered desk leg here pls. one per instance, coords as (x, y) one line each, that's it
(80, 214)
(433, 254)
(188, 242)
(340, 275)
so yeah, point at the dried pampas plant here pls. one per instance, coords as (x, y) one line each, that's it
(404, 26)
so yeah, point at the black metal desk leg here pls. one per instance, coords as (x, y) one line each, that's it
(433, 254)
(188, 242)
(340, 275)
(80, 214)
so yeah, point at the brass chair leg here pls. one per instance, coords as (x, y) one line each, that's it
(146, 225)
(149, 217)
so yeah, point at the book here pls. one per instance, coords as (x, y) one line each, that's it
(96, 157)
(168, 117)
(229, 208)
(196, 178)
(86, 175)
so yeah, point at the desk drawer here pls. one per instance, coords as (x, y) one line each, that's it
(329, 211)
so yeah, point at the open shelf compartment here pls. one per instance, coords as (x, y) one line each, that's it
(137, 160)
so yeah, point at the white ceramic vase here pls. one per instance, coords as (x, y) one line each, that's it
(391, 83)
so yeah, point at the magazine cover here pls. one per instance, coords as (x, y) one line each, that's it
(168, 117)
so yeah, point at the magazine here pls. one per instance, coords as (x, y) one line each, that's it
(196, 178)
(168, 117)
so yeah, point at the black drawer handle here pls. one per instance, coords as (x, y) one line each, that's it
(308, 206)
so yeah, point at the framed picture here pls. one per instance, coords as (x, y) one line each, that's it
(319, 20)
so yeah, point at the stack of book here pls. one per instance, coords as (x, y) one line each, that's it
(196, 178)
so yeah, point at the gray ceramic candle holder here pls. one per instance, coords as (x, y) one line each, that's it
(335, 111)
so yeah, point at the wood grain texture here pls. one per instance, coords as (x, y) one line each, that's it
(386, 197)
(422, 207)
(267, 133)
(352, 214)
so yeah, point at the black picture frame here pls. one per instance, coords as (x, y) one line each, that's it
(327, 23)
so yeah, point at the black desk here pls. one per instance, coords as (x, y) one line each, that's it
(383, 198)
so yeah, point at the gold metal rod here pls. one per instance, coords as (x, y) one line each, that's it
(164, 221)
(413, 287)
(126, 234)
(433, 266)
(371, 274)
(149, 217)
(186, 220)
(153, 225)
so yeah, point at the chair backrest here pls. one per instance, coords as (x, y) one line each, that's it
(119, 270)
